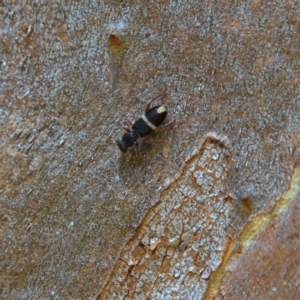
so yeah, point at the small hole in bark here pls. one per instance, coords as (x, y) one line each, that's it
(115, 43)
(246, 205)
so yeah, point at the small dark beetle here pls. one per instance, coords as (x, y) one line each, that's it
(151, 120)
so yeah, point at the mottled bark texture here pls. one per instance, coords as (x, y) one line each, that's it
(77, 216)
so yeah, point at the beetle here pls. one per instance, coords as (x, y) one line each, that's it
(151, 120)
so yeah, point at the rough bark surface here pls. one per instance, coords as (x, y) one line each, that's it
(181, 240)
(271, 267)
(72, 72)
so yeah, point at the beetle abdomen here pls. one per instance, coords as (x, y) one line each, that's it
(150, 120)
(156, 115)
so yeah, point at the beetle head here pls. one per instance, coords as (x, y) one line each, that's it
(128, 140)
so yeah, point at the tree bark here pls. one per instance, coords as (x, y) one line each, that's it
(186, 217)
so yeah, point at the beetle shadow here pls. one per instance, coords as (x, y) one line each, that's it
(135, 168)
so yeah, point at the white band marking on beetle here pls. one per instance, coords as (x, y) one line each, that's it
(161, 110)
(153, 127)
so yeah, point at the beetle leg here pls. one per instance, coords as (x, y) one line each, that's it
(151, 141)
(137, 148)
(130, 122)
(162, 127)
(147, 108)
(126, 129)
